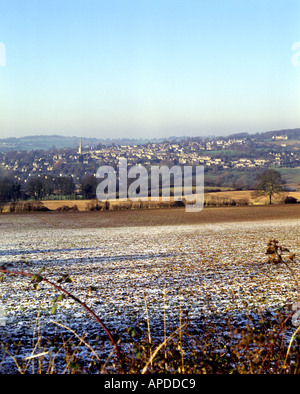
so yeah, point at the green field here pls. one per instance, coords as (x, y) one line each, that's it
(290, 175)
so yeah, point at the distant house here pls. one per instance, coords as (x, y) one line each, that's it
(279, 137)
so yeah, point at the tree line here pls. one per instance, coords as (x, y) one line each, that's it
(43, 187)
(268, 183)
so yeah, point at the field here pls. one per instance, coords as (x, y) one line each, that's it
(144, 272)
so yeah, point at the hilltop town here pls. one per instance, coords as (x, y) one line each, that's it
(223, 157)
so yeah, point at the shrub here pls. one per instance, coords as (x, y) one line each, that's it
(96, 205)
(221, 202)
(65, 208)
(28, 206)
(290, 200)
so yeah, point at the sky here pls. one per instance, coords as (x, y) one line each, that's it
(148, 68)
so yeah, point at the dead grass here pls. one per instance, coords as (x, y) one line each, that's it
(53, 205)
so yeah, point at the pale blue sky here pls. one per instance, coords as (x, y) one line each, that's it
(148, 68)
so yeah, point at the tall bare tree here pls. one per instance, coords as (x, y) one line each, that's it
(269, 183)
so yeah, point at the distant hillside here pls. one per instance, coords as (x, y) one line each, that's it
(268, 135)
(38, 142)
(45, 142)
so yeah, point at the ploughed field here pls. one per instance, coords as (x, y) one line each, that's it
(207, 268)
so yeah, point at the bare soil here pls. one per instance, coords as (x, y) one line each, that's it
(149, 217)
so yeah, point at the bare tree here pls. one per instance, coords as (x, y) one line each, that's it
(269, 183)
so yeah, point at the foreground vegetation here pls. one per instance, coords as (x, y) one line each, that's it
(264, 346)
(254, 343)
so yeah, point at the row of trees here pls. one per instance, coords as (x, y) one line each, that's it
(269, 183)
(10, 189)
(43, 187)
(40, 188)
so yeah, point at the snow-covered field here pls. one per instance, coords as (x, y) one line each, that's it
(204, 270)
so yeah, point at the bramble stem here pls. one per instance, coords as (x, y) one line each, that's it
(89, 310)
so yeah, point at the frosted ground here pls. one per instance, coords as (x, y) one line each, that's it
(205, 270)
